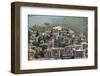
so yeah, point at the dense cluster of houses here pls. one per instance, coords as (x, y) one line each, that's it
(57, 43)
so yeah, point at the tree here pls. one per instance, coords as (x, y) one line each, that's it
(29, 34)
(46, 23)
(41, 53)
(35, 43)
(37, 33)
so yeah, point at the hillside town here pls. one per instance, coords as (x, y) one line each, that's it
(56, 43)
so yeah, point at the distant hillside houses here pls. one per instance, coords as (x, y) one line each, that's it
(57, 39)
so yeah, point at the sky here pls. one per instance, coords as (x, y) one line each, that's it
(40, 20)
(79, 23)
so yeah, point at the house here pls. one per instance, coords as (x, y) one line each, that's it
(57, 28)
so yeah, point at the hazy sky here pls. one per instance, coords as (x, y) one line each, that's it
(74, 23)
(40, 20)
